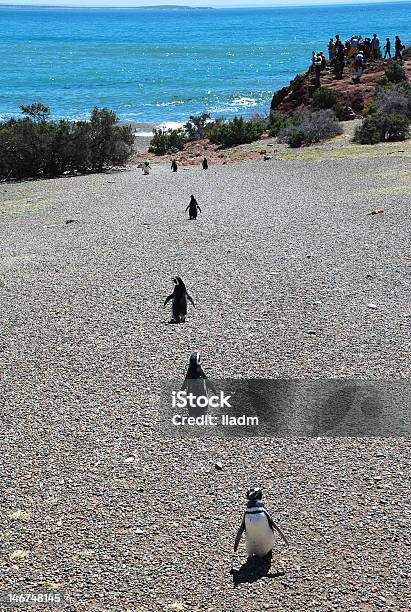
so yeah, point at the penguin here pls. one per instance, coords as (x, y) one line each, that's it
(196, 382)
(192, 208)
(179, 297)
(205, 164)
(174, 165)
(146, 168)
(258, 526)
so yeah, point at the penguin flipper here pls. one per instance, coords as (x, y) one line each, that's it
(170, 297)
(239, 534)
(198, 208)
(190, 299)
(276, 527)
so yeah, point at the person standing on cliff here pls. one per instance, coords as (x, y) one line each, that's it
(387, 49)
(331, 50)
(339, 61)
(398, 48)
(359, 66)
(368, 50)
(313, 56)
(318, 64)
(375, 44)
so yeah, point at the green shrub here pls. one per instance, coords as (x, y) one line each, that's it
(371, 130)
(108, 141)
(196, 127)
(235, 132)
(314, 127)
(167, 141)
(356, 100)
(369, 109)
(381, 127)
(295, 138)
(403, 86)
(388, 116)
(324, 98)
(277, 121)
(34, 146)
(394, 73)
(396, 127)
(395, 99)
(37, 111)
(319, 125)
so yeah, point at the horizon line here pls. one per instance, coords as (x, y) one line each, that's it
(278, 4)
(281, 4)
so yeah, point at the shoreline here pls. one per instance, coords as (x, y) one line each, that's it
(143, 132)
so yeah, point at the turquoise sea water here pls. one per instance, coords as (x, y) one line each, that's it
(163, 65)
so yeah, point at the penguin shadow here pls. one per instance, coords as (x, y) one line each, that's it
(254, 569)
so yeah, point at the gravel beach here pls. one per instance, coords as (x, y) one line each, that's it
(283, 264)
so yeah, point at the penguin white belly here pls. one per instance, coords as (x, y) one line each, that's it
(259, 537)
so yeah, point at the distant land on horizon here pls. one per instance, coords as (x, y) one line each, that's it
(142, 7)
(275, 4)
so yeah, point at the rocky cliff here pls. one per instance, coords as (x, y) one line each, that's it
(356, 95)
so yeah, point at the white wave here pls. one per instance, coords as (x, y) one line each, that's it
(244, 101)
(171, 125)
(174, 103)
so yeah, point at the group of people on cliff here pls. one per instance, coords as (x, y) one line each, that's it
(356, 49)
(370, 47)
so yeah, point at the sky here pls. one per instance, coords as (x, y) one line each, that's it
(214, 3)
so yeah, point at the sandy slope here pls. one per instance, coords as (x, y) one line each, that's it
(124, 519)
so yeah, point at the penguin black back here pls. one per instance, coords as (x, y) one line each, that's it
(192, 208)
(196, 382)
(194, 366)
(180, 297)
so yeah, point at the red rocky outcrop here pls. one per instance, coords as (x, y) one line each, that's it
(356, 95)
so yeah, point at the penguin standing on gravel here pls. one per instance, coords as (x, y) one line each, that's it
(192, 208)
(179, 297)
(196, 381)
(174, 165)
(146, 168)
(258, 526)
(205, 164)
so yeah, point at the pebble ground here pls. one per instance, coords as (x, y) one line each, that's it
(283, 263)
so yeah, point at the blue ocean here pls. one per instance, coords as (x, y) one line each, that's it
(162, 65)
